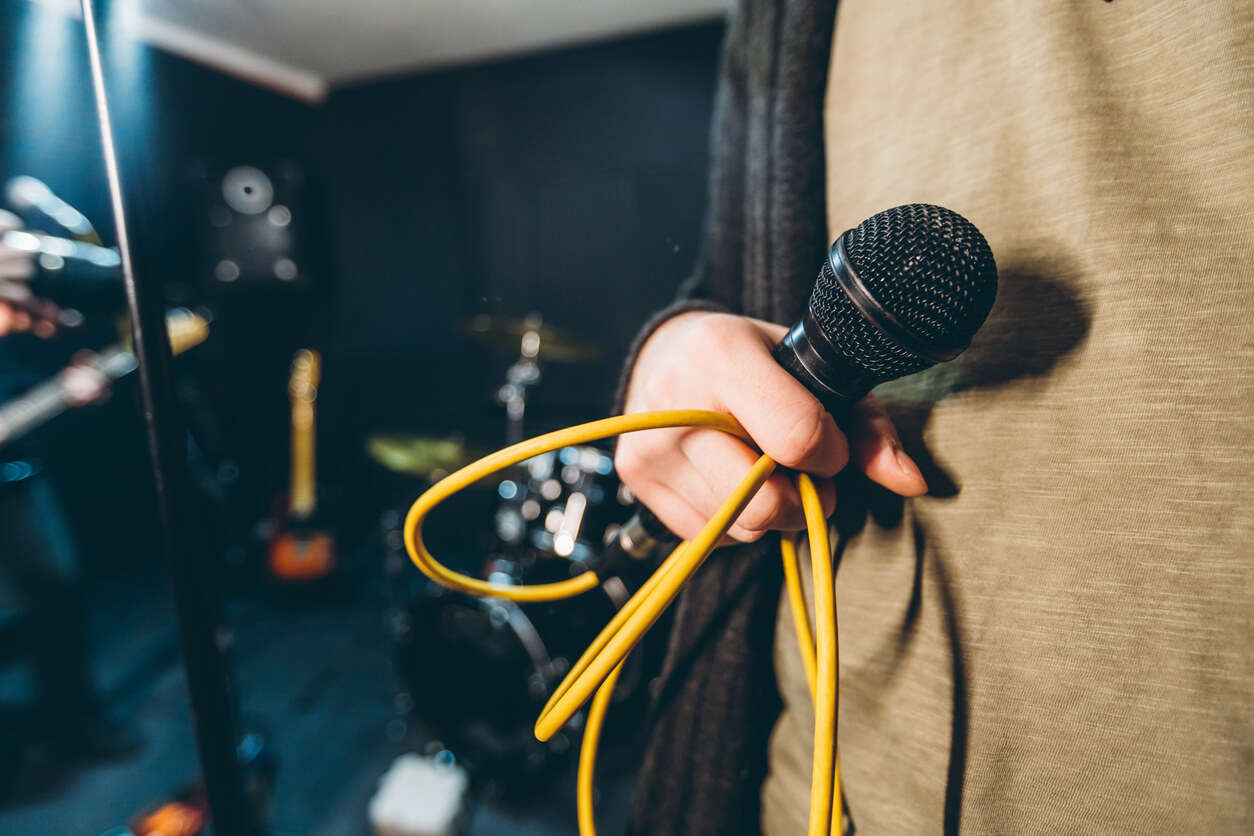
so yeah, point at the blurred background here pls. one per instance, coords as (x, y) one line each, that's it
(392, 236)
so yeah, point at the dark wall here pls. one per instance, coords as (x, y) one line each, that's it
(570, 183)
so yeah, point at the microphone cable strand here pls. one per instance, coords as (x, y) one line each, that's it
(595, 673)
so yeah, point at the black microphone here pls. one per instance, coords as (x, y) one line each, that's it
(902, 291)
(905, 289)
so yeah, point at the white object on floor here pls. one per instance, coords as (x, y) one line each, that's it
(418, 797)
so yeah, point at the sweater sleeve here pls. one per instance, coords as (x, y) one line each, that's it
(716, 281)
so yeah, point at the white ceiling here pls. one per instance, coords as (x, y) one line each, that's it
(303, 46)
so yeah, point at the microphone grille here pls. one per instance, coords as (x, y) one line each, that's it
(927, 266)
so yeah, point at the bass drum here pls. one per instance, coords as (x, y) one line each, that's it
(480, 670)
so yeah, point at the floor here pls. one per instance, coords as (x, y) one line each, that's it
(319, 678)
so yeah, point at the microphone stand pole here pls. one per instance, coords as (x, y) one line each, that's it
(202, 635)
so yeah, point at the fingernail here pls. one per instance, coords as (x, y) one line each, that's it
(907, 466)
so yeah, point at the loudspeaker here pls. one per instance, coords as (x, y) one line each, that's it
(257, 230)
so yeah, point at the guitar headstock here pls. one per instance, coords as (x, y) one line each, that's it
(302, 386)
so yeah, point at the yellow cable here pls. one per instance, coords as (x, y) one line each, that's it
(597, 670)
(805, 643)
(797, 603)
(588, 752)
(581, 434)
(583, 679)
(822, 775)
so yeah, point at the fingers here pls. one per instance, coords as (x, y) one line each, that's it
(877, 450)
(13, 319)
(658, 490)
(661, 476)
(677, 515)
(721, 461)
(684, 476)
(783, 418)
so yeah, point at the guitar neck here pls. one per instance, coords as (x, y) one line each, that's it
(42, 403)
(302, 388)
(46, 401)
(303, 498)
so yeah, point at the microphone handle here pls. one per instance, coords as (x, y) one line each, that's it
(806, 353)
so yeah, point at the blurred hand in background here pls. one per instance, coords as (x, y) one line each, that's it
(21, 310)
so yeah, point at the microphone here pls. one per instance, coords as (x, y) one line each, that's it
(905, 289)
(24, 193)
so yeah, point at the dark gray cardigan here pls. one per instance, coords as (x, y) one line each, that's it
(764, 239)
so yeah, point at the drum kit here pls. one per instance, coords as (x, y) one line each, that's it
(476, 671)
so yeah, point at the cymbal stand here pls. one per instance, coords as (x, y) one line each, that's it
(521, 376)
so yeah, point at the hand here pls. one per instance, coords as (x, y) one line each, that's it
(16, 265)
(83, 383)
(21, 311)
(723, 363)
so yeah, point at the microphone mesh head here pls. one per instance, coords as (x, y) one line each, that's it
(926, 265)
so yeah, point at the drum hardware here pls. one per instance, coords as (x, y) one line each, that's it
(454, 649)
(519, 377)
(535, 342)
(560, 503)
(551, 344)
(475, 670)
(425, 456)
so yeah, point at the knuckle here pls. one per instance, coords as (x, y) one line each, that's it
(659, 389)
(764, 511)
(629, 462)
(804, 436)
(639, 456)
(723, 334)
(745, 535)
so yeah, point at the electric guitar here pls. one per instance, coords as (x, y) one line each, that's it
(302, 549)
(40, 404)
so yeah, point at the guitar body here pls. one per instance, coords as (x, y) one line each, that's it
(302, 550)
(301, 554)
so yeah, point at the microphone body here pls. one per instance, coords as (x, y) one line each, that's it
(807, 355)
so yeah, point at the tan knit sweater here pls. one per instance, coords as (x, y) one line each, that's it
(1060, 637)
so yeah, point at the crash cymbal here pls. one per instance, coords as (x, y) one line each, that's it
(506, 333)
(417, 455)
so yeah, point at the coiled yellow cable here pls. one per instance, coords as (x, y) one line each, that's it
(598, 668)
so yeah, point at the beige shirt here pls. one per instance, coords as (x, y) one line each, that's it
(1060, 638)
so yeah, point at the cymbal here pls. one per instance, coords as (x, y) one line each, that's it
(506, 333)
(417, 455)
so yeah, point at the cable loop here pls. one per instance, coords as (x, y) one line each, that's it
(598, 668)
